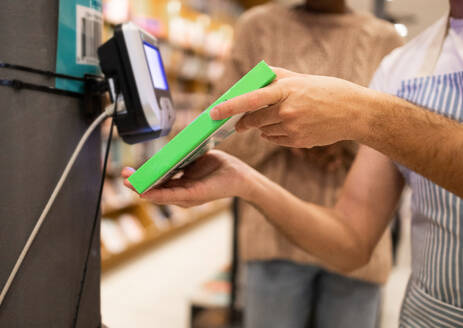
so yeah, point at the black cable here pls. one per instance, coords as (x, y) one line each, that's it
(97, 84)
(95, 219)
(40, 71)
(18, 85)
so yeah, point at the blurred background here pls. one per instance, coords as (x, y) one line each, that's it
(172, 267)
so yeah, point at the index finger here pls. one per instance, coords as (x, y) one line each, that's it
(248, 102)
(283, 73)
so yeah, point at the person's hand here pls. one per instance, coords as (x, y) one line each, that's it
(298, 110)
(213, 176)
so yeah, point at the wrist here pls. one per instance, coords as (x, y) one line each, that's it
(249, 185)
(365, 115)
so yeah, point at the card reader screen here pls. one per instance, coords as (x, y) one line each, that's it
(153, 56)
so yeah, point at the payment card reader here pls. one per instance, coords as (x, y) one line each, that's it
(132, 64)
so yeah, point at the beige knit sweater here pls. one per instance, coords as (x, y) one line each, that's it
(349, 46)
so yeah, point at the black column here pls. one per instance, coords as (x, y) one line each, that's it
(38, 133)
(379, 8)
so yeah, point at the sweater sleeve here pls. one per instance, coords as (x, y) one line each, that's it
(387, 41)
(391, 42)
(248, 146)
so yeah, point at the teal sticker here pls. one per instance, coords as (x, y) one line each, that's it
(80, 26)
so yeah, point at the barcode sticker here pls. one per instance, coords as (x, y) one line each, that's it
(89, 24)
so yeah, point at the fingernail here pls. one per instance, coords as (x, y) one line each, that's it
(128, 169)
(214, 113)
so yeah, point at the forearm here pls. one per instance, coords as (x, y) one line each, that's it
(320, 231)
(249, 147)
(425, 142)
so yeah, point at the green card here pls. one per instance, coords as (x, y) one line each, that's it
(199, 136)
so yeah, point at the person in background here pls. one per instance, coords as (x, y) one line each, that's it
(285, 286)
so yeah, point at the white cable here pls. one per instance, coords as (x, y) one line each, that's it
(107, 113)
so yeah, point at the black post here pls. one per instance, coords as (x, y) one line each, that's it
(379, 8)
(38, 132)
(233, 312)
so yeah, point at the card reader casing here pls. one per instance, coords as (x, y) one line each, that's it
(145, 117)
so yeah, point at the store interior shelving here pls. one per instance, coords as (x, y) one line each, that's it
(194, 39)
(137, 226)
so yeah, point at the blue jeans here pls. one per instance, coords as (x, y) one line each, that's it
(283, 294)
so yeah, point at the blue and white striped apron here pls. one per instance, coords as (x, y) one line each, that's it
(434, 296)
